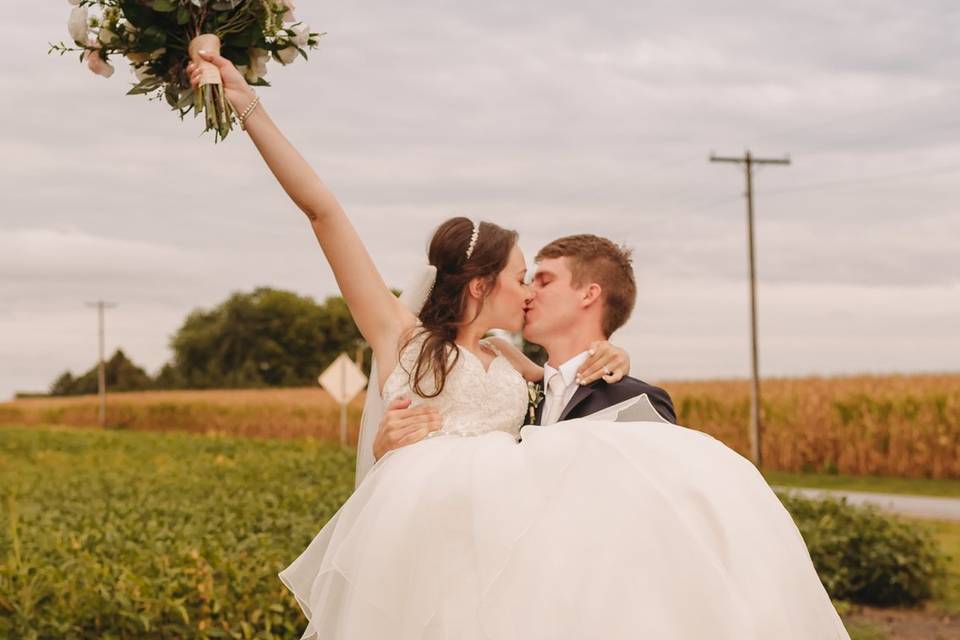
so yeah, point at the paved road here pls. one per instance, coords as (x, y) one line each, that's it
(914, 506)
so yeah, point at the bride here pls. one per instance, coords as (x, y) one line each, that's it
(587, 529)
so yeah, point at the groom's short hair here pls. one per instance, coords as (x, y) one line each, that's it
(596, 259)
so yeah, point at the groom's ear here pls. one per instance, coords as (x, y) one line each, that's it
(591, 295)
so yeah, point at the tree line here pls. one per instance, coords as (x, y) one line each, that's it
(266, 338)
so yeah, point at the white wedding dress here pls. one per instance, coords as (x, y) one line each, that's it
(585, 529)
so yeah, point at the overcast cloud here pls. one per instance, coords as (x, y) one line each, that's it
(548, 117)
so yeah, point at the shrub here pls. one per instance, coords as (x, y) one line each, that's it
(865, 555)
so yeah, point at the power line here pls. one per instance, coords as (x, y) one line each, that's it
(749, 162)
(942, 128)
(901, 175)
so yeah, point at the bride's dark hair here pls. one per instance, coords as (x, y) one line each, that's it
(444, 310)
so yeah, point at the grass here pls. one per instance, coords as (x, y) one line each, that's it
(860, 630)
(947, 535)
(942, 488)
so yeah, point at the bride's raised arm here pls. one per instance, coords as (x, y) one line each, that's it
(379, 315)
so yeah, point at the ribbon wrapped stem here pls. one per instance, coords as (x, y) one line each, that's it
(209, 98)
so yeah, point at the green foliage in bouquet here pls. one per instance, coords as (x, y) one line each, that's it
(155, 36)
(866, 556)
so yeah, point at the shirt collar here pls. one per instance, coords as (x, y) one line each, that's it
(568, 370)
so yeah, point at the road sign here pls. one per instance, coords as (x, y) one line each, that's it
(343, 380)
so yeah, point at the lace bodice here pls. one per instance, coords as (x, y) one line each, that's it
(473, 401)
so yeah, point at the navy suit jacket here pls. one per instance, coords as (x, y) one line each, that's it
(599, 395)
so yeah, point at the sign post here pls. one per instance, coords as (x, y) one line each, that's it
(343, 380)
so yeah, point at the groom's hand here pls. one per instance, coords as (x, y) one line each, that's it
(402, 425)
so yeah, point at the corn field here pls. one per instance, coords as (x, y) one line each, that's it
(866, 425)
(904, 425)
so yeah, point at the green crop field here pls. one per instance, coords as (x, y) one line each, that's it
(126, 534)
(109, 534)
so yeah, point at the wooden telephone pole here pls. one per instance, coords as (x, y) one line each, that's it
(748, 162)
(102, 374)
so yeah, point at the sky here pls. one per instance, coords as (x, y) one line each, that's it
(551, 118)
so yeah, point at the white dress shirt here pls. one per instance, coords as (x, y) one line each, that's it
(560, 385)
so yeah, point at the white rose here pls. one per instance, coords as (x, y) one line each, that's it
(303, 35)
(77, 25)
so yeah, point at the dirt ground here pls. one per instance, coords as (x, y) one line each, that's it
(909, 624)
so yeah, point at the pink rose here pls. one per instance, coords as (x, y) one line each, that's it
(95, 63)
(288, 16)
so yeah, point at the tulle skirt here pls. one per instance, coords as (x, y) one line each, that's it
(586, 529)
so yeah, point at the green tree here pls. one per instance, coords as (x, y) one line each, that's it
(62, 385)
(168, 378)
(120, 373)
(265, 338)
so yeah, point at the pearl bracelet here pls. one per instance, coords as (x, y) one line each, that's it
(247, 111)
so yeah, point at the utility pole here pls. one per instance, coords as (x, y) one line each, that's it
(748, 161)
(102, 374)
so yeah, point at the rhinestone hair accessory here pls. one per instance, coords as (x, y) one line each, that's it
(473, 239)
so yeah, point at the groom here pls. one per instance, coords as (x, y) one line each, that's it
(584, 291)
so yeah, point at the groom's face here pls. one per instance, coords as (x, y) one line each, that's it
(555, 303)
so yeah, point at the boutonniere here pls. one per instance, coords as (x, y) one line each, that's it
(535, 395)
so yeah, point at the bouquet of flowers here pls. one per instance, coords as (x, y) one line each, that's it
(160, 37)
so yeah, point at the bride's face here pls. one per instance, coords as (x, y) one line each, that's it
(504, 307)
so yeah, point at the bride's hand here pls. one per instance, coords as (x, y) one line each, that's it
(606, 361)
(235, 87)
